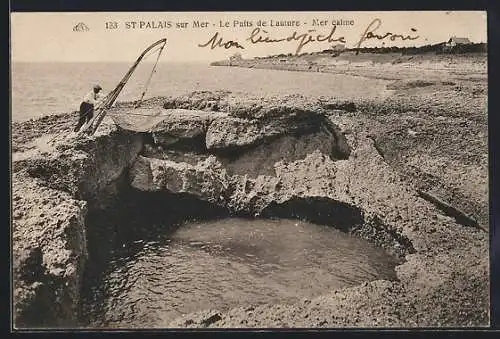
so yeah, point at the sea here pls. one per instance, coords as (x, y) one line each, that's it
(40, 89)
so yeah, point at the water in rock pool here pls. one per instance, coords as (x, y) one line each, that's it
(227, 263)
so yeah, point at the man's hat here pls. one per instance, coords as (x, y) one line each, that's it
(97, 87)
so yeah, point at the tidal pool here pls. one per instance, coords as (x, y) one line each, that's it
(223, 264)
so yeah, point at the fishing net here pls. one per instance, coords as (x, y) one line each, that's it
(108, 101)
(138, 119)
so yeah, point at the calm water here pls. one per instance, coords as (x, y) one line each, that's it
(227, 263)
(48, 88)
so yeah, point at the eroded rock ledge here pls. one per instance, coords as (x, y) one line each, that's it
(280, 157)
(56, 180)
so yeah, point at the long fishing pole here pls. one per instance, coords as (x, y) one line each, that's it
(91, 126)
(108, 101)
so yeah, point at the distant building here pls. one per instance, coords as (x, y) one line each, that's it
(454, 41)
(235, 57)
(338, 47)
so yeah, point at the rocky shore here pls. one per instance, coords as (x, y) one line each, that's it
(409, 173)
(389, 66)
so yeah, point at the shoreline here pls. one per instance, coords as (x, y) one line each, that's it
(383, 66)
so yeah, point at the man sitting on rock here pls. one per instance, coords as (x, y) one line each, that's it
(90, 100)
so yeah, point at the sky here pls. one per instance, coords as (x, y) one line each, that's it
(49, 37)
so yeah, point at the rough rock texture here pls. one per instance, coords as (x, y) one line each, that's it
(248, 146)
(435, 136)
(55, 182)
(48, 231)
(442, 255)
(183, 125)
(431, 163)
(254, 121)
(361, 173)
(207, 180)
(84, 167)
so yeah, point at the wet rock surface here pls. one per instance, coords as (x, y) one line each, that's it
(361, 173)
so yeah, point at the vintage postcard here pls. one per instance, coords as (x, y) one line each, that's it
(249, 169)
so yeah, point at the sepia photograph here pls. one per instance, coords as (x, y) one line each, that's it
(217, 170)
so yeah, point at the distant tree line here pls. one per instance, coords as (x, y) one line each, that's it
(468, 48)
(403, 50)
(440, 48)
(436, 48)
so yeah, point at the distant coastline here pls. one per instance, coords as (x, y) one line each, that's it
(373, 54)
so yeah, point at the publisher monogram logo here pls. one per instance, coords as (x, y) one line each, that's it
(80, 27)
